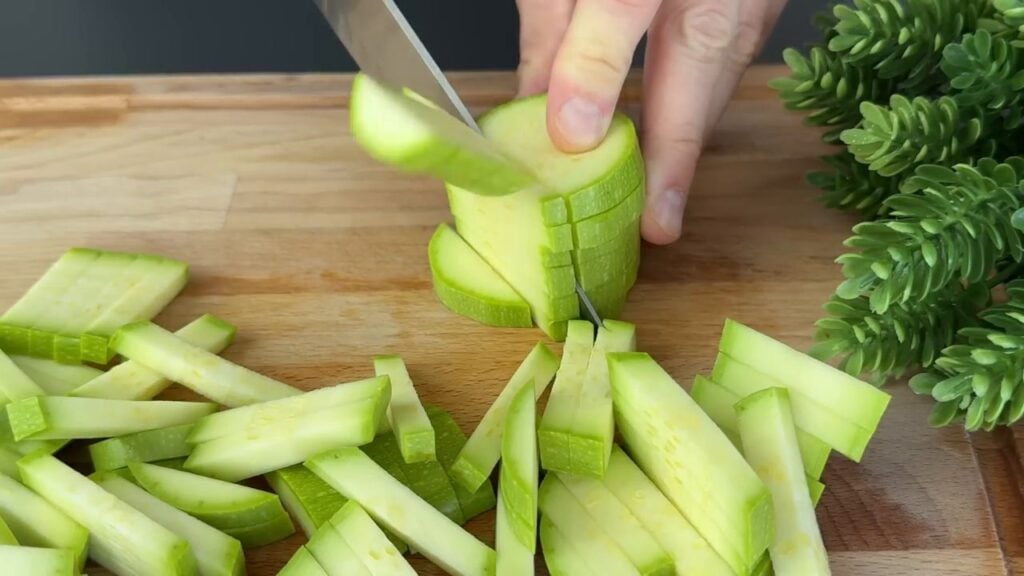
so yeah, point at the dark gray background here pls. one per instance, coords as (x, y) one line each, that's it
(74, 37)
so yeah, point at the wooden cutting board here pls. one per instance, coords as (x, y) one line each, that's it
(318, 255)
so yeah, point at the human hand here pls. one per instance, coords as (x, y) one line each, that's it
(579, 51)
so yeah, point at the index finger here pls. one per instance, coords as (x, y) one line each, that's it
(591, 66)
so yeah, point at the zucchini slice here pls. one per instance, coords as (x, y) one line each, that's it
(42, 561)
(513, 557)
(403, 513)
(216, 553)
(36, 522)
(690, 459)
(121, 538)
(145, 446)
(481, 452)
(64, 418)
(450, 440)
(466, 284)
(302, 563)
(220, 504)
(555, 435)
(130, 380)
(560, 554)
(519, 468)
(202, 371)
(54, 378)
(769, 442)
(370, 544)
(408, 419)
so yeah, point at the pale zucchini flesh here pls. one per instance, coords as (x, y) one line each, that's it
(223, 505)
(302, 563)
(596, 230)
(6, 536)
(593, 422)
(519, 467)
(283, 443)
(402, 512)
(120, 537)
(36, 522)
(407, 133)
(769, 442)
(600, 552)
(719, 403)
(63, 417)
(513, 557)
(409, 421)
(131, 380)
(690, 459)
(335, 555)
(54, 378)
(258, 535)
(467, 285)
(309, 499)
(145, 446)
(689, 550)
(841, 434)
(216, 553)
(853, 399)
(620, 525)
(370, 543)
(297, 406)
(481, 452)
(9, 461)
(556, 434)
(31, 561)
(560, 555)
(14, 383)
(202, 371)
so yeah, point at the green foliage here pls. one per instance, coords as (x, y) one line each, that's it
(852, 186)
(927, 98)
(978, 381)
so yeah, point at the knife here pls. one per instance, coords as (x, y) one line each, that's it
(384, 46)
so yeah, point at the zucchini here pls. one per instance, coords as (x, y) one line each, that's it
(9, 461)
(519, 468)
(216, 553)
(276, 444)
(62, 417)
(555, 434)
(54, 378)
(335, 555)
(220, 504)
(202, 371)
(769, 442)
(719, 403)
(467, 285)
(308, 499)
(130, 380)
(481, 452)
(71, 311)
(302, 563)
(145, 446)
(620, 525)
(852, 399)
(599, 551)
(450, 440)
(121, 538)
(513, 557)
(371, 545)
(29, 561)
(6, 536)
(403, 513)
(253, 416)
(595, 230)
(404, 131)
(408, 419)
(14, 384)
(839, 433)
(690, 459)
(689, 550)
(36, 522)
(560, 555)
(259, 535)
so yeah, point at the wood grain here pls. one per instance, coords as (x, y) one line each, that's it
(318, 255)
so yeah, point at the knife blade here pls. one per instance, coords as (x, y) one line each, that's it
(385, 47)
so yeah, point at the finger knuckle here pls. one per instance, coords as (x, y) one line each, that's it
(746, 45)
(705, 29)
(599, 66)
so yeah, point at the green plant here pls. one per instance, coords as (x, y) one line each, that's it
(925, 99)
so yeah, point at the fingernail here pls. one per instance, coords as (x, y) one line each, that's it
(580, 122)
(669, 211)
